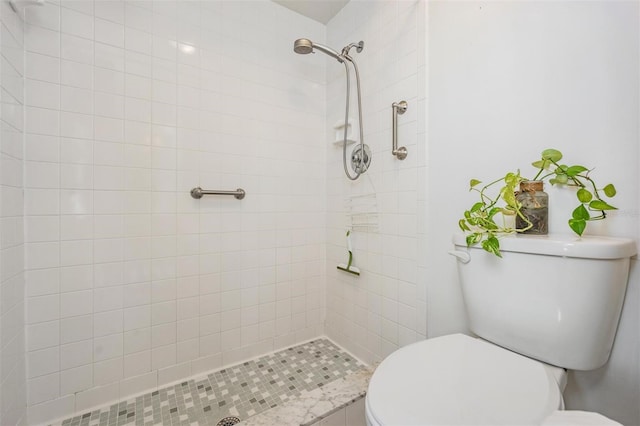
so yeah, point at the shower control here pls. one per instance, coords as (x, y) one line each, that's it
(360, 158)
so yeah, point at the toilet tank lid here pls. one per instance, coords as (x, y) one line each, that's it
(564, 245)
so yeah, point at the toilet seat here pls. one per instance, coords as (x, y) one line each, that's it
(461, 380)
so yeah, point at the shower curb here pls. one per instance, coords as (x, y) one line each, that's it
(311, 407)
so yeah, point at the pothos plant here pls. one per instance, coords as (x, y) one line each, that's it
(486, 220)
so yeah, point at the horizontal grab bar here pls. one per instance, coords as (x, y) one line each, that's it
(198, 192)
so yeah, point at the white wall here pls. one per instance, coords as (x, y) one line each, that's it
(506, 80)
(384, 308)
(132, 283)
(12, 356)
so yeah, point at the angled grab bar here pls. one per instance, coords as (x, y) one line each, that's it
(198, 192)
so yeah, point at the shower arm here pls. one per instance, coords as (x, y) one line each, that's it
(345, 50)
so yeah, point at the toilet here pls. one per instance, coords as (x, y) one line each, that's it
(551, 303)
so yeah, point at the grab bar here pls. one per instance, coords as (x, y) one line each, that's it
(198, 192)
(397, 108)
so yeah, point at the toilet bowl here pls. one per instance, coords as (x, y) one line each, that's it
(551, 303)
(461, 380)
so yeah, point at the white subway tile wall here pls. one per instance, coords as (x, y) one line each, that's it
(12, 239)
(385, 307)
(131, 283)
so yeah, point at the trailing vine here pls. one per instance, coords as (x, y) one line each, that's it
(486, 220)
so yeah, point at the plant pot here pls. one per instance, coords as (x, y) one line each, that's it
(534, 206)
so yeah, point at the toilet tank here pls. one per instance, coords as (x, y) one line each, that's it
(554, 298)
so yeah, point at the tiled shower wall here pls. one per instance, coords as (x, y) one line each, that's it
(130, 282)
(384, 308)
(12, 356)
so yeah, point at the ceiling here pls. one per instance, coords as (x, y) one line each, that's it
(318, 10)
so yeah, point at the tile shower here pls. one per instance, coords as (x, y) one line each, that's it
(112, 112)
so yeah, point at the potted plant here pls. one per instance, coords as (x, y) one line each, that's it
(500, 202)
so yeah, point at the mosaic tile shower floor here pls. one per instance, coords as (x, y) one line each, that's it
(242, 390)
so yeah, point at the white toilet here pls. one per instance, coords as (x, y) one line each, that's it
(551, 303)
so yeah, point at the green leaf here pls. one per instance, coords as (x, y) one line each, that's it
(492, 245)
(477, 206)
(577, 225)
(541, 164)
(494, 211)
(601, 205)
(509, 198)
(581, 213)
(463, 225)
(584, 195)
(609, 190)
(551, 154)
(512, 179)
(473, 182)
(490, 224)
(575, 170)
(473, 239)
(560, 178)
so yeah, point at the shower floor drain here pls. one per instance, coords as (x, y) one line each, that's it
(228, 421)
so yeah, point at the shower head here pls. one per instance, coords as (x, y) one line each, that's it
(304, 46)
